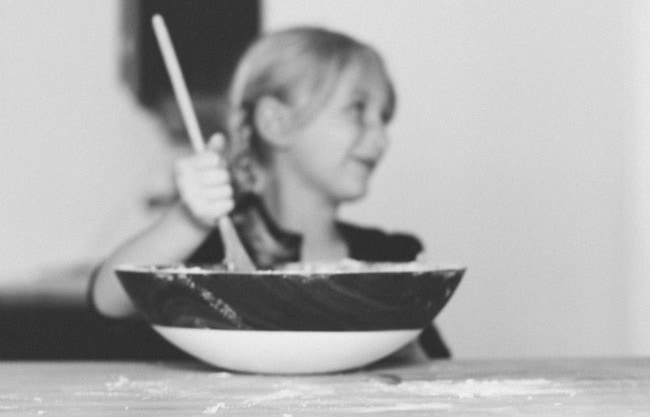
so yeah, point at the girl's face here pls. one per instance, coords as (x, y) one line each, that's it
(336, 152)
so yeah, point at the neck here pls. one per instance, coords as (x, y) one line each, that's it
(298, 208)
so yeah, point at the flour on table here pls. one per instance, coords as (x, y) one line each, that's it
(121, 382)
(476, 388)
(214, 409)
(293, 391)
(372, 395)
(377, 396)
(399, 407)
(142, 389)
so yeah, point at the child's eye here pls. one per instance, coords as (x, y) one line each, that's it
(363, 111)
(358, 108)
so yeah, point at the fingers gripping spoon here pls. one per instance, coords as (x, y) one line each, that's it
(235, 254)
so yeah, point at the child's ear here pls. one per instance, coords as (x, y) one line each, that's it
(272, 120)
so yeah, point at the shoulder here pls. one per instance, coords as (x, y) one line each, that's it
(376, 245)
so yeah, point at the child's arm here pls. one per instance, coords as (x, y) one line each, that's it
(206, 195)
(169, 241)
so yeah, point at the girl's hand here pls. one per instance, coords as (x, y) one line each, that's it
(204, 185)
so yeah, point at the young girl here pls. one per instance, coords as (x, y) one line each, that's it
(308, 118)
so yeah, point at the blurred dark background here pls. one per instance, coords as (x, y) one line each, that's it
(208, 36)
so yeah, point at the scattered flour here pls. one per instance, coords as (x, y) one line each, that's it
(294, 391)
(470, 388)
(373, 395)
(400, 407)
(377, 396)
(121, 382)
(214, 409)
(142, 389)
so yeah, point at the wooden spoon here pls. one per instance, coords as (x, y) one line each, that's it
(236, 256)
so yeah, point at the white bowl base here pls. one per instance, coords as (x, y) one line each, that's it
(287, 352)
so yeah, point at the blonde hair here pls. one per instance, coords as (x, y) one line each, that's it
(301, 67)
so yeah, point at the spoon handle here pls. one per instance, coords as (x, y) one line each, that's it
(236, 256)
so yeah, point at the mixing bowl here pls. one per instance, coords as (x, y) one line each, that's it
(298, 318)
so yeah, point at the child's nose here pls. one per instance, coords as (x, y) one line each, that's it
(375, 140)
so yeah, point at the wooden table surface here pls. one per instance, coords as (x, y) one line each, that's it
(552, 387)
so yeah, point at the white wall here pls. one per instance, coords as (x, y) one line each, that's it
(508, 156)
(76, 153)
(515, 122)
(639, 190)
